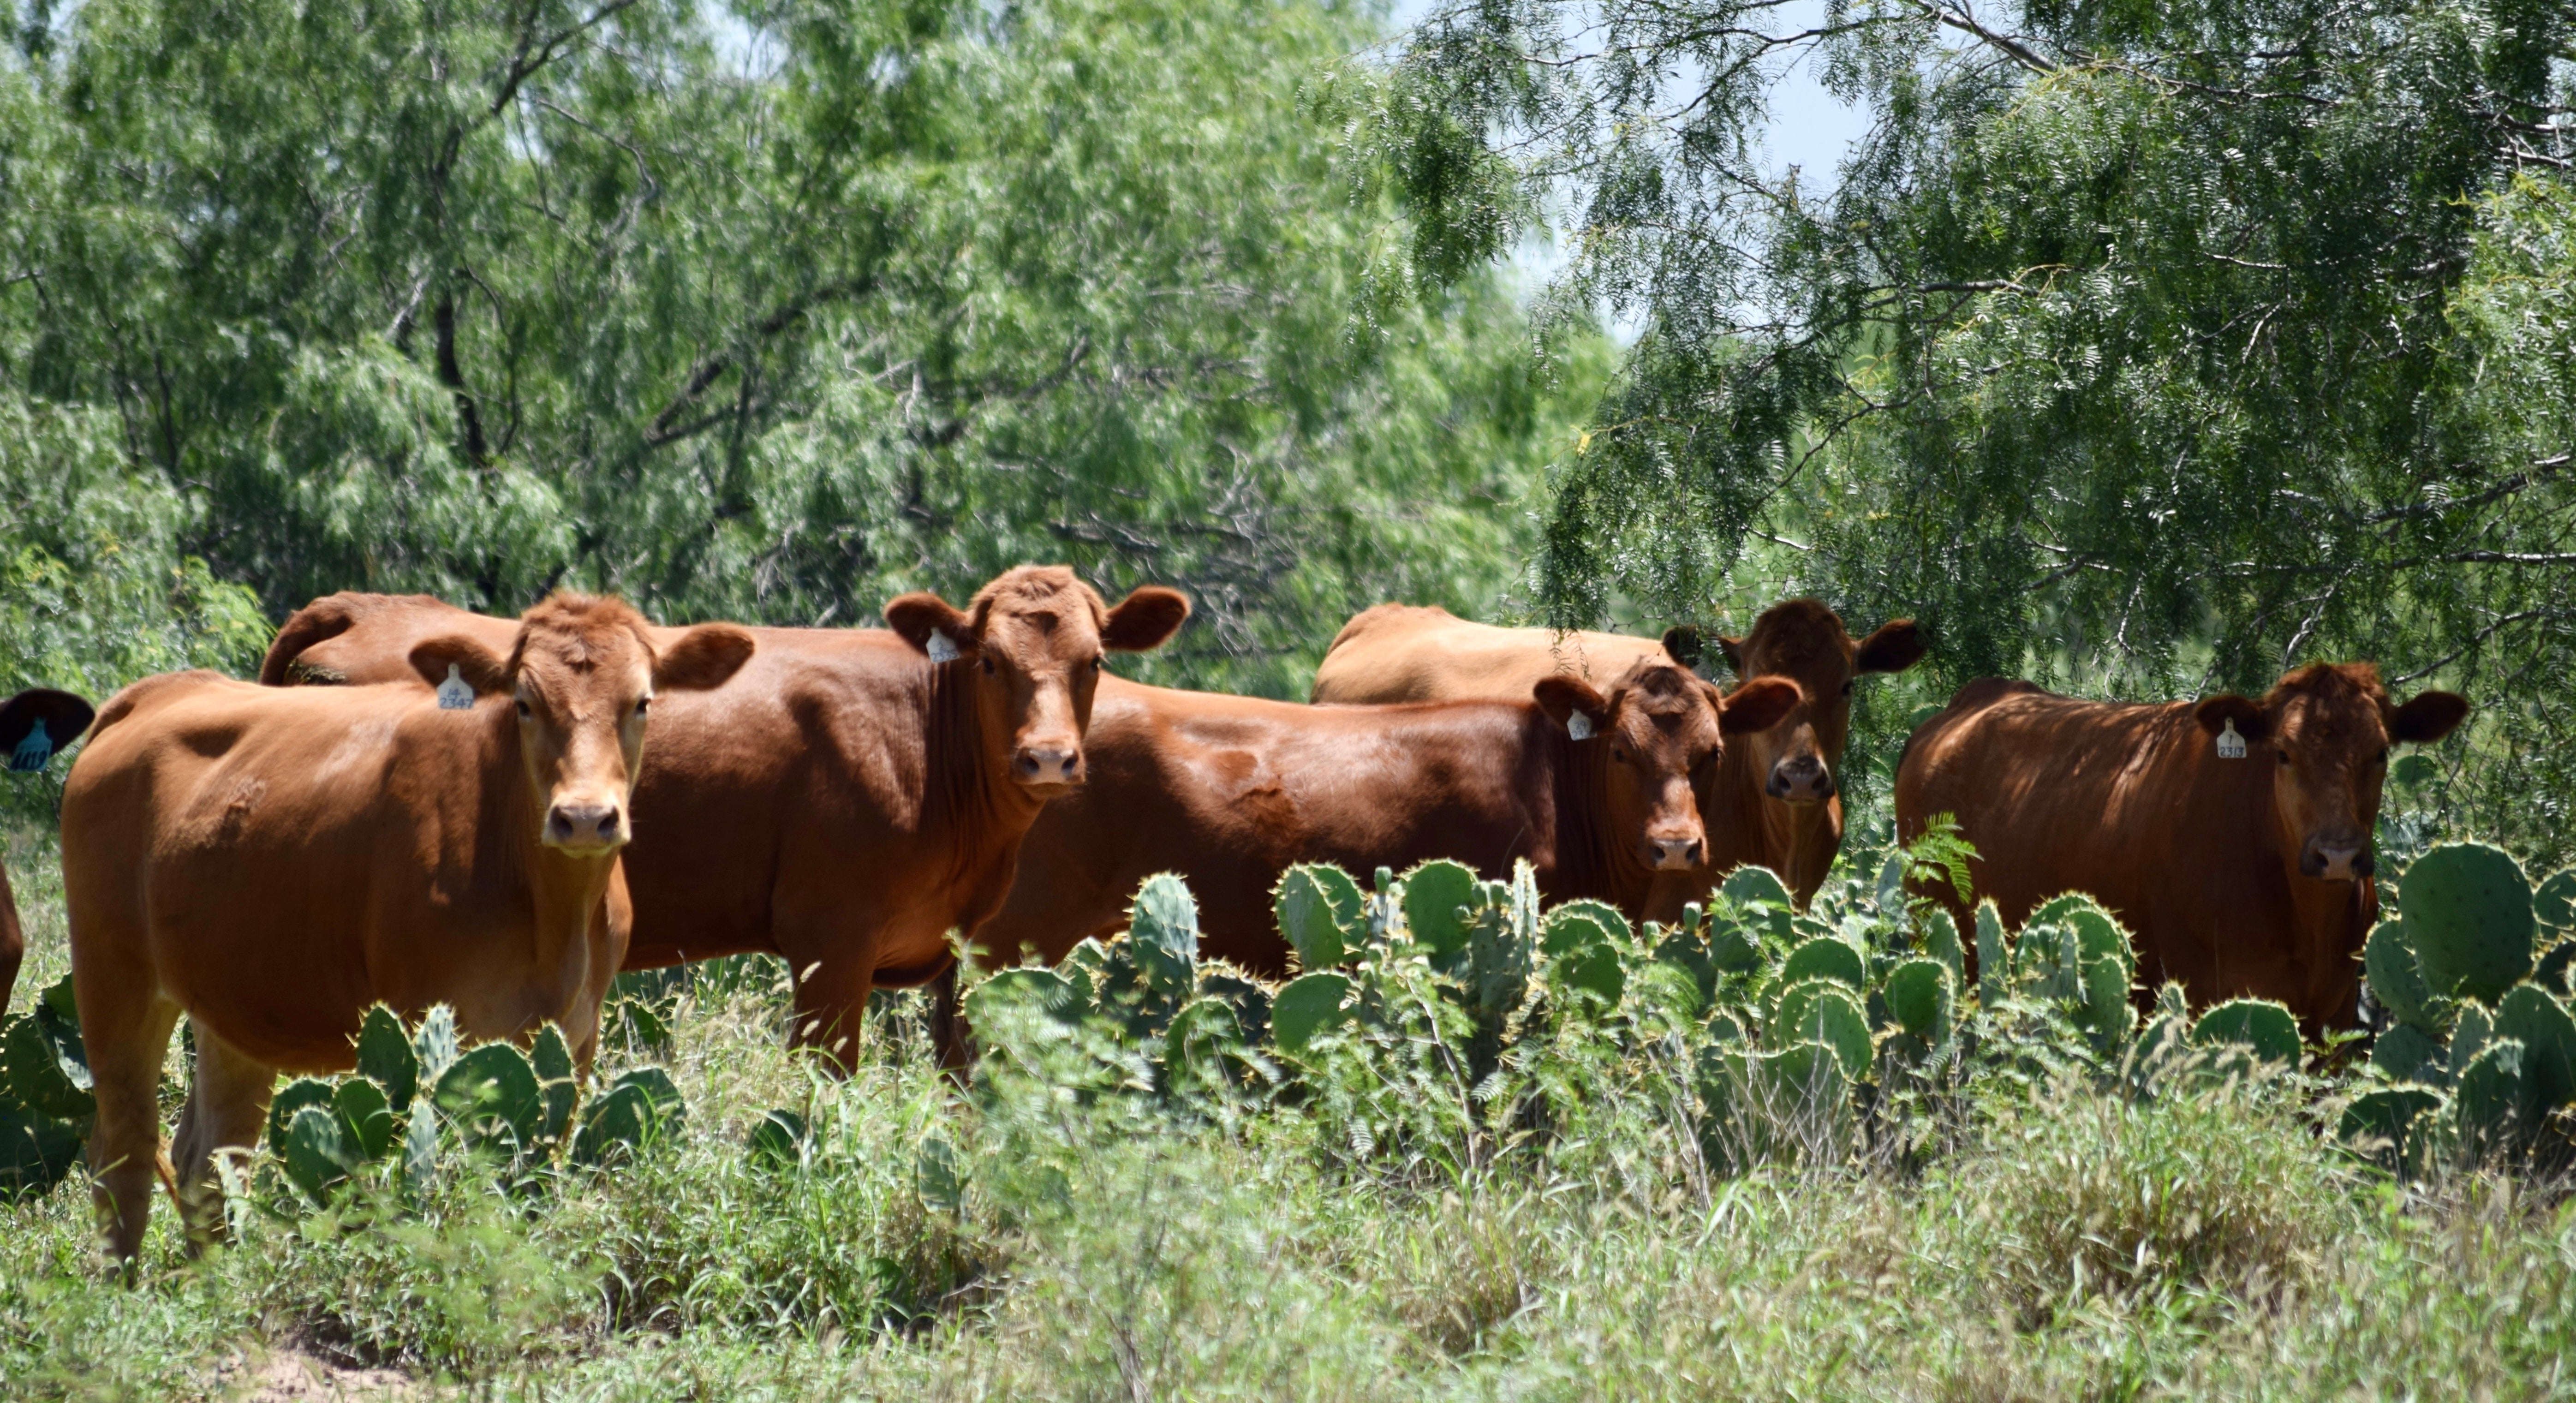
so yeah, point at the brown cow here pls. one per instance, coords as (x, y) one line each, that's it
(2242, 877)
(1773, 803)
(846, 801)
(270, 863)
(1593, 789)
(34, 726)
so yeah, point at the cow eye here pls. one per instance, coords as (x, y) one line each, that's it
(524, 712)
(1099, 662)
(1847, 686)
(644, 706)
(2281, 755)
(985, 661)
(1619, 755)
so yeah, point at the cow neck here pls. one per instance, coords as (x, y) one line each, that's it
(564, 891)
(1588, 861)
(962, 786)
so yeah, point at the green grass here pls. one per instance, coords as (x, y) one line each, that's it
(2058, 1243)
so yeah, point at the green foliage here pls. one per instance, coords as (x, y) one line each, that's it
(1321, 911)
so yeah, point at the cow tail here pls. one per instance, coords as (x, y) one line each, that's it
(317, 622)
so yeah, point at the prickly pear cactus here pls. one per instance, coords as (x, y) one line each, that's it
(1322, 913)
(1920, 998)
(1581, 940)
(2388, 962)
(1311, 1004)
(385, 1057)
(1163, 929)
(2468, 914)
(1436, 898)
(1994, 967)
(2257, 1026)
(1826, 958)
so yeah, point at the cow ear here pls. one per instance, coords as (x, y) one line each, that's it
(704, 658)
(473, 662)
(1733, 648)
(1759, 705)
(64, 715)
(2429, 717)
(2214, 713)
(1684, 644)
(1145, 619)
(1572, 703)
(931, 624)
(1891, 647)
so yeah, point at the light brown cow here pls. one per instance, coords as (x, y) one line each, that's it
(2241, 877)
(35, 725)
(846, 801)
(1592, 787)
(1774, 802)
(271, 863)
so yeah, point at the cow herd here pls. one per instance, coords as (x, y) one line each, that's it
(420, 805)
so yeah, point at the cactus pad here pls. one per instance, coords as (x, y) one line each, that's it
(1826, 958)
(491, 1095)
(1310, 1004)
(366, 1118)
(2406, 1054)
(2467, 910)
(1045, 990)
(2488, 1106)
(1436, 897)
(1321, 911)
(1821, 1011)
(1993, 965)
(2381, 1126)
(1919, 997)
(291, 1098)
(1163, 928)
(2531, 1017)
(2553, 903)
(385, 1056)
(2258, 1025)
(2389, 963)
(1941, 942)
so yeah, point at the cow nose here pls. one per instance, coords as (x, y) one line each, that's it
(1047, 764)
(1801, 779)
(2337, 862)
(1673, 854)
(584, 826)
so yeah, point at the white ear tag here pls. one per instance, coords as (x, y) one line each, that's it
(2231, 746)
(455, 694)
(1578, 725)
(941, 650)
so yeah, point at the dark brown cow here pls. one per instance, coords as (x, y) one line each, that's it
(845, 802)
(34, 726)
(270, 863)
(2243, 877)
(1772, 803)
(1230, 791)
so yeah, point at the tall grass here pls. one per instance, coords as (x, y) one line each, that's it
(1049, 1233)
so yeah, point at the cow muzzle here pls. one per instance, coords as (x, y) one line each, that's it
(1675, 854)
(585, 827)
(1801, 779)
(1047, 766)
(2337, 860)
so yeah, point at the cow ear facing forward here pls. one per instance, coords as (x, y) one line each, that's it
(1145, 619)
(1759, 705)
(2214, 713)
(1572, 703)
(1891, 647)
(2429, 717)
(480, 669)
(704, 658)
(931, 624)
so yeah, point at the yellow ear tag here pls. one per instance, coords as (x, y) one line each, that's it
(455, 694)
(2231, 746)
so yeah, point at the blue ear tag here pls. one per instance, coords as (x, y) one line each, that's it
(2231, 746)
(455, 694)
(34, 751)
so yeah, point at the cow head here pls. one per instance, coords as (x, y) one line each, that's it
(1657, 731)
(1804, 641)
(1031, 644)
(2323, 732)
(582, 677)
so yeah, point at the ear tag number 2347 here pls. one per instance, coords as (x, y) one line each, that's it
(455, 694)
(2231, 746)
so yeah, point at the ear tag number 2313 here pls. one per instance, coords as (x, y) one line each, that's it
(455, 694)
(2231, 746)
